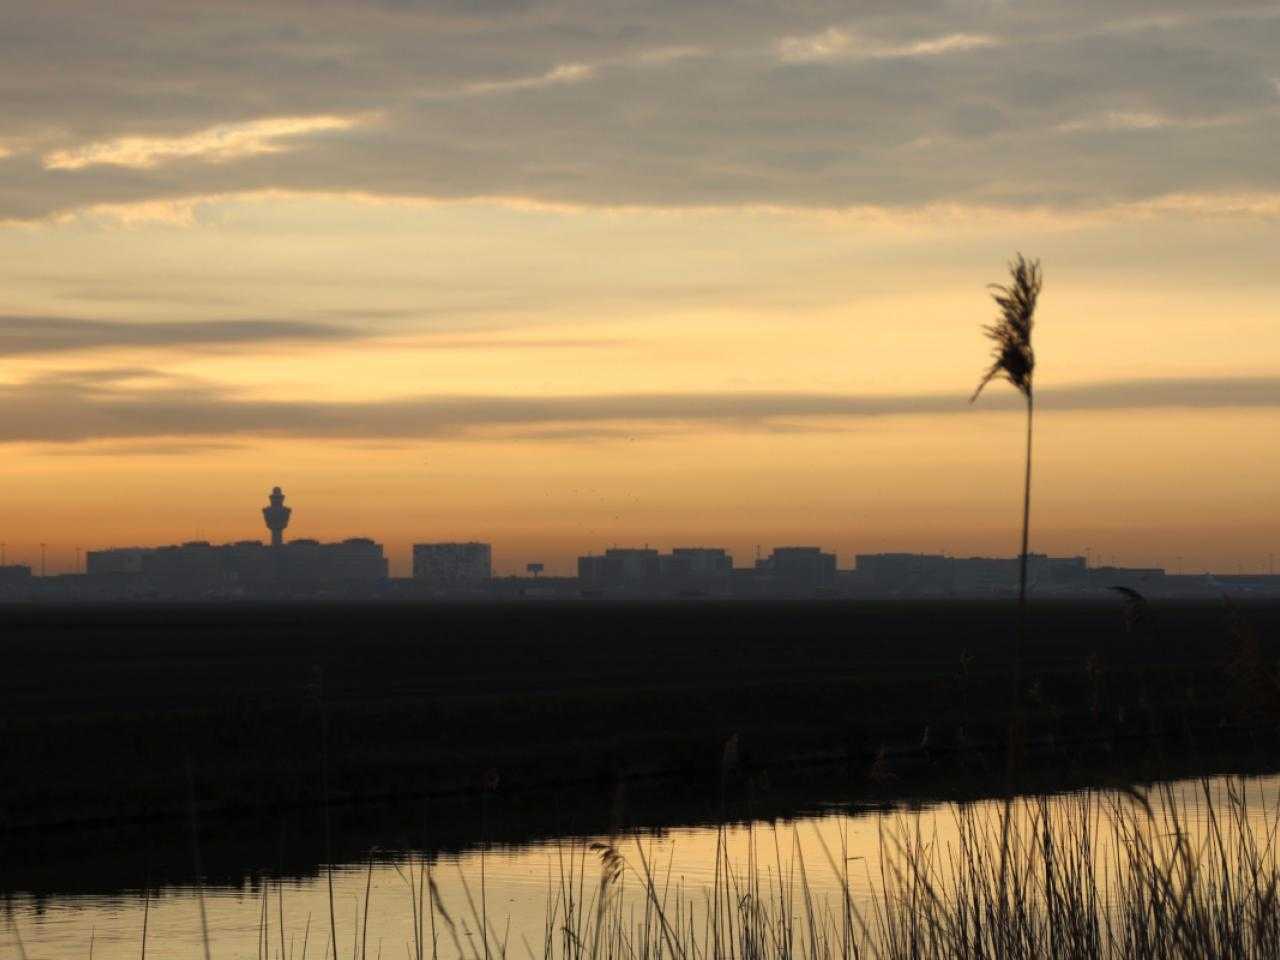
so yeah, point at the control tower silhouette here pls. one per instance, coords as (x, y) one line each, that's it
(277, 517)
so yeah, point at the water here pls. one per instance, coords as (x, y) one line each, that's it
(519, 881)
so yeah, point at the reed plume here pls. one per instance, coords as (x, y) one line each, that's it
(1013, 356)
(1014, 359)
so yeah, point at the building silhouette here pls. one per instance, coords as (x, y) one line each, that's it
(277, 517)
(921, 575)
(788, 573)
(16, 582)
(202, 570)
(452, 567)
(357, 568)
(686, 571)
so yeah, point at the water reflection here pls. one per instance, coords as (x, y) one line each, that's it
(511, 885)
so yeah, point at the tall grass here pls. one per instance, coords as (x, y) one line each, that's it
(1180, 873)
(1120, 874)
(1014, 359)
(1092, 875)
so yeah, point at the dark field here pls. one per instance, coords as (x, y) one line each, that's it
(103, 711)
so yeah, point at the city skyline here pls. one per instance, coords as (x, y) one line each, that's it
(277, 517)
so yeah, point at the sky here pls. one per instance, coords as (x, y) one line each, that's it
(565, 275)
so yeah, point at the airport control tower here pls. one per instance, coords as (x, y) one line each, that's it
(277, 517)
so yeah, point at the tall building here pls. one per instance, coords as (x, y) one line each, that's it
(199, 569)
(916, 575)
(449, 567)
(700, 562)
(686, 571)
(797, 571)
(16, 582)
(277, 516)
(620, 566)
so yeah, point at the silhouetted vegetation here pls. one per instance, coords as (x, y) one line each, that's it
(100, 710)
(1168, 874)
(1080, 877)
(1014, 359)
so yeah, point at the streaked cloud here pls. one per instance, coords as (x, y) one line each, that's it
(929, 217)
(562, 73)
(936, 46)
(176, 449)
(517, 343)
(663, 55)
(1219, 205)
(830, 43)
(1118, 120)
(133, 404)
(835, 43)
(21, 335)
(683, 105)
(570, 73)
(218, 144)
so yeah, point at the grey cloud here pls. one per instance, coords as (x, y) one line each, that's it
(36, 334)
(144, 405)
(734, 124)
(145, 449)
(521, 343)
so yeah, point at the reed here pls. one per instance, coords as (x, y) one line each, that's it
(1014, 359)
(1177, 873)
(1110, 875)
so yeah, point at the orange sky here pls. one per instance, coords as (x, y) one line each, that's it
(649, 303)
(559, 280)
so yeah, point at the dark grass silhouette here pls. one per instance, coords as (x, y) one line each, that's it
(1022, 881)
(1014, 359)
(430, 700)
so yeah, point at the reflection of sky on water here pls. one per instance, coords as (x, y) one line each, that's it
(520, 881)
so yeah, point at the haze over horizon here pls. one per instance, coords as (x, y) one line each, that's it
(560, 275)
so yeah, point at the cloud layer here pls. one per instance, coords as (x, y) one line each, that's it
(221, 144)
(39, 334)
(143, 404)
(1058, 103)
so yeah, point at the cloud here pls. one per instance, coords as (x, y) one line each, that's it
(830, 43)
(143, 449)
(1118, 120)
(567, 73)
(563, 73)
(220, 144)
(21, 335)
(835, 44)
(518, 343)
(1113, 120)
(663, 55)
(936, 46)
(671, 104)
(934, 217)
(134, 404)
(1250, 206)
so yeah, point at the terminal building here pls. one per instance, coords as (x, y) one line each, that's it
(923, 575)
(685, 571)
(202, 570)
(16, 582)
(791, 573)
(452, 567)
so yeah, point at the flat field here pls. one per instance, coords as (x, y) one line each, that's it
(130, 713)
